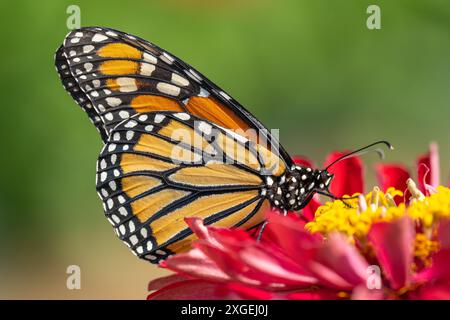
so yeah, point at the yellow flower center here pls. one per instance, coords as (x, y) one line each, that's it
(432, 208)
(355, 217)
(424, 247)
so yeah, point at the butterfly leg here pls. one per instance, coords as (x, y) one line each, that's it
(261, 230)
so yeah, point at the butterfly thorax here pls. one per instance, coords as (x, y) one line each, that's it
(294, 189)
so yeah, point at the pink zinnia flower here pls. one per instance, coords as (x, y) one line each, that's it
(374, 249)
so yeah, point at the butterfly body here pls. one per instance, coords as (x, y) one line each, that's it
(176, 145)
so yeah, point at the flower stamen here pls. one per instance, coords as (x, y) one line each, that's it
(416, 194)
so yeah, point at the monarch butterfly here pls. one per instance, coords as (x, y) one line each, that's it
(139, 97)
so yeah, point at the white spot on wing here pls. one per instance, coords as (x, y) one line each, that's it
(204, 93)
(115, 218)
(96, 83)
(131, 226)
(112, 34)
(124, 114)
(204, 127)
(167, 88)
(194, 75)
(150, 58)
(88, 66)
(129, 135)
(126, 84)
(159, 118)
(113, 102)
(223, 94)
(182, 116)
(133, 239)
(131, 124)
(109, 116)
(167, 58)
(147, 69)
(88, 48)
(113, 185)
(99, 37)
(179, 80)
(123, 211)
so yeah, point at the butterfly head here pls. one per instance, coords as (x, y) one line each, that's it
(294, 190)
(323, 178)
(313, 181)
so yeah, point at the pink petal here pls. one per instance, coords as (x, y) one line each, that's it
(392, 243)
(344, 258)
(289, 234)
(197, 226)
(240, 291)
(428, 168)
(165, 281)
(392, 175)
(433, 291)
(196, 264)
(314, 294)
(339, 263)
(250, 260)
(328, 277)
(187, 290)
(230, 264)
(444, 234)
(303, 161)
(361, 292)
(439, 269)
(279, 268)
(348, 175)
(292, 216)
(253, 262)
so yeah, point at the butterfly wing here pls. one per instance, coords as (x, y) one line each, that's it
(113, 75)
(158, 168)
(73, 88)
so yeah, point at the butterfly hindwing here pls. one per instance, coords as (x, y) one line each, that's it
(158, 168)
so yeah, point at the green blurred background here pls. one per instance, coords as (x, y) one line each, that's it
(310, 68)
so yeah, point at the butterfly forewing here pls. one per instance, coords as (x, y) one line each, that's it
(120, 75)
(73, 88)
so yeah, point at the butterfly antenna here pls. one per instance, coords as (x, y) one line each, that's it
(364, 150)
